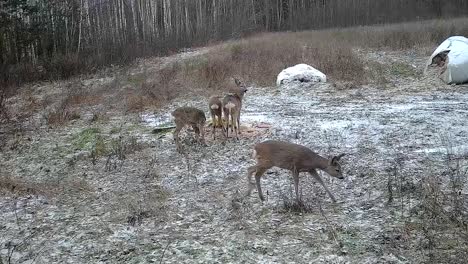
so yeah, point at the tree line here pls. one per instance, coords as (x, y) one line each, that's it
(43, 39)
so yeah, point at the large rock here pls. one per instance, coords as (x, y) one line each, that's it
(301, 73)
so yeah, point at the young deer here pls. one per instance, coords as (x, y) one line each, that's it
(216, 109)
(192, 117)
(293, 157)
(232, 104)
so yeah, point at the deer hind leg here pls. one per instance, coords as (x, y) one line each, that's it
(196, 129)
(220, 122)
(214, 123)
(176, 135)
(258, 175)
(296, 185)
(235, 125)
(319, 179)
(201, 128)
(226, 117)
(232, 120)
(250, 185)
(238, 121)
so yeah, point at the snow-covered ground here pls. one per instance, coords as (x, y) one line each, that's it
(165, 207)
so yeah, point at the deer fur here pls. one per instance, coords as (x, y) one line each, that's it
(232, 104)
(293, 157)
(189, 116)
(216, 110)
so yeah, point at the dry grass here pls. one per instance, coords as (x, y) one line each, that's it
(61, 115)
(291, 205)
(154, 93)
(402, 36)
(16, 186)
(258, 59)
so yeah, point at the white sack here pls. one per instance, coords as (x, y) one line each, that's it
(457, 66)
(302, 73)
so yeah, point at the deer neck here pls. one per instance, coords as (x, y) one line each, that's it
(317, 162)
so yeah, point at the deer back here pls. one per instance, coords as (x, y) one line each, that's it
(189, 115)
(288, 156)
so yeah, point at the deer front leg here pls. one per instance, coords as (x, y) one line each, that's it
(250, 185)
(319, 179)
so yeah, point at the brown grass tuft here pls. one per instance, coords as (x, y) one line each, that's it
(20, 187)
(61, 115)
(260, 59)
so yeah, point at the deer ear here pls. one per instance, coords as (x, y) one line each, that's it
(335, 159)
(238, 83)
(340, 156)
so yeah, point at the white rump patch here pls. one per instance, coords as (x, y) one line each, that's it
(214, 107)
(230, 105)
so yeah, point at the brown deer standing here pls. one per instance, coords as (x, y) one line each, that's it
(293, 157)
(216, 109)
(192, 117)
(232, 104)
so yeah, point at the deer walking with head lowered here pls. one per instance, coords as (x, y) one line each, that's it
(232, 104)
(216, 110)
(189, 116)
(293, 157)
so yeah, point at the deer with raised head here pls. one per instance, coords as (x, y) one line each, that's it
(293, 157)
(189, 116)
(232, 104)
(216, 110)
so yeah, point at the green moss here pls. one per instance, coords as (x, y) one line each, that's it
(99, 147)
(86, 139)
(136, 79)
(403, 69)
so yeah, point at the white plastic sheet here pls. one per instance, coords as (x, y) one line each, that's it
(302, 73)
(457, 66)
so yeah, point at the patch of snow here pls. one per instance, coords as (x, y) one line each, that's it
(462, 149)
(341, 124)
(153, 120)
(255, 117)
(302, 73)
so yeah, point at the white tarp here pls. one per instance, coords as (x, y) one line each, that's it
(302, 73)
(457, 64)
